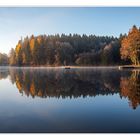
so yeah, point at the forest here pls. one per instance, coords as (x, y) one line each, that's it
(74, 49)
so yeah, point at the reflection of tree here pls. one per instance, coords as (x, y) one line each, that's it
(75, 83)
(3, 73)
(130, 88)
(65, 83)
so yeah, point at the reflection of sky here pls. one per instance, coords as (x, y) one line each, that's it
(101, 113)
(17, 22)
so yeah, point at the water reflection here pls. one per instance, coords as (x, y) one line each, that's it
(4, 73)
(61, 83)
(130, 88)
(64, 83)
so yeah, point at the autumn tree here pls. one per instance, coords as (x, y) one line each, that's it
(18, 52)
(130, 46)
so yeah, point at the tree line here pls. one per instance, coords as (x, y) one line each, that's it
(60, 50)
(80, 50)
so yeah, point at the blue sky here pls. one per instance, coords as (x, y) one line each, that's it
(20, 22)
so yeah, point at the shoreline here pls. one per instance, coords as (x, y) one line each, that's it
(129, 67)
(120, 67)
(59, 66)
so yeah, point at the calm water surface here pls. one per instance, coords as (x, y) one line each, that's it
(72, 100)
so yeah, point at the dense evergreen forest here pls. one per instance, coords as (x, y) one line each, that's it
(74, 49)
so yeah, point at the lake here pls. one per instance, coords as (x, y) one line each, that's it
(69, 100)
